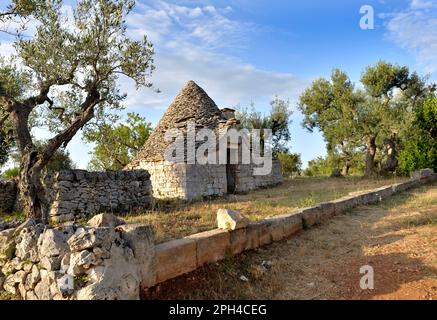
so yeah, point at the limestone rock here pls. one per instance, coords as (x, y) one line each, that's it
(30, 295)
(89, 238)
(101, 253)
(51, 263)
(141, 239)
(95, 274)
(17, 264)
(12, 281)
(28, 224)
(96, 292)
(65, 262)
(8, 268)
(66, 285)
(10, 285)
(105, 220)
(231, 220)
(52, 243)
(27, 266)
(22, 290)
(80, 261)
(42, 289)
(119, 280)
(7, 244)
(26, 242)
(32, 278)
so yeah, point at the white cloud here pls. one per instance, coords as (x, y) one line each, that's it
(188, 43)
(415, 29)
(226, 80)
(421, 4)
(206, 26)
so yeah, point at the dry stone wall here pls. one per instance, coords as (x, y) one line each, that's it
(8, 194)
(102, 260)
(79, 193)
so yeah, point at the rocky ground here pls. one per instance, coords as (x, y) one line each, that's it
(397, 238)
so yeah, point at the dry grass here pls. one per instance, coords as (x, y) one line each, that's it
(396, 237)
(177, 219)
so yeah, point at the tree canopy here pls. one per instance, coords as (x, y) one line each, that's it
(278, 120)
(420, 149)
(369, 119)
(117, 145)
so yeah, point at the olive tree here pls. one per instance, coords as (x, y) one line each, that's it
(72, 63)
(371, 119)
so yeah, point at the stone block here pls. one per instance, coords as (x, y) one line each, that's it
(369, 197)
(291, 223)
(327, 211)
(211, 245)
(231, 220)
(252, 236)
(141, 239)
(385, 192)
(238, 241)
(105, 220)
(343, 204)
(265, 231)
(175, 258)
(311, 216)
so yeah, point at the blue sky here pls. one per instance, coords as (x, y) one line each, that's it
(243, 51)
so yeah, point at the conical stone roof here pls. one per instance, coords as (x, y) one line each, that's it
(191, 104)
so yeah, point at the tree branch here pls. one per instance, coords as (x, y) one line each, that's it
(64, 137)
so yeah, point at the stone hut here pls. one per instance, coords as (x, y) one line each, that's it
(187, 179)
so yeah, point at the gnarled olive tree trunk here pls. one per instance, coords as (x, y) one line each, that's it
(391, 163)
(345, 169)
(32, 193)
(30, 188)
(370, 157)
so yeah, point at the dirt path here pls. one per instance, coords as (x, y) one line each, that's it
(398, 238)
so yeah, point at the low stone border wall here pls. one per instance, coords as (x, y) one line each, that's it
(181, 256)
(107, 259)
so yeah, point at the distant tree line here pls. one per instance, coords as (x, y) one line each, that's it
(278, 120)
(386, 125)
